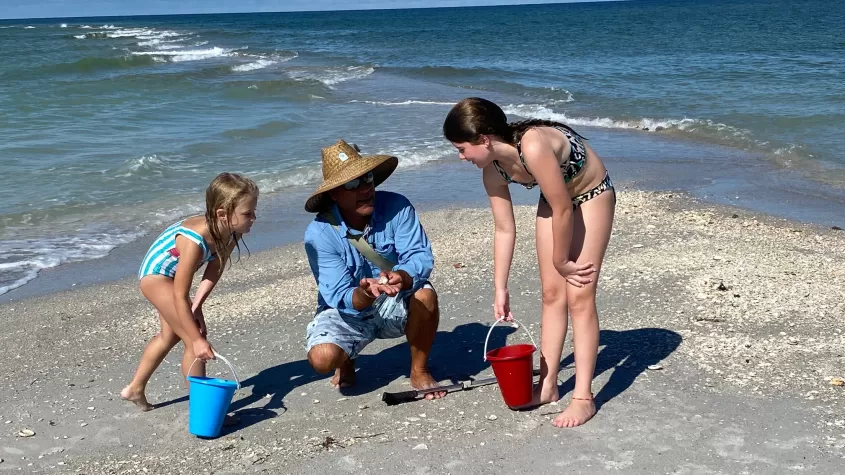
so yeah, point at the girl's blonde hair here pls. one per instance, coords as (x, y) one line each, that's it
(226, 191)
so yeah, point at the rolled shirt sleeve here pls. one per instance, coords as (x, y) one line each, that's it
(334, 282)
(413, 249)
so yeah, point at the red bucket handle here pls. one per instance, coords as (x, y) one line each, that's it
(502, 319)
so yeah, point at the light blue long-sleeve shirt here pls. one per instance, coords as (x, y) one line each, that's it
(394, 232)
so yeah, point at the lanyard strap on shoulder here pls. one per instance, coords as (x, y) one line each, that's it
(361, 244)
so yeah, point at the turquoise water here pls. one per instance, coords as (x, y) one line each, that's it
(111, 127)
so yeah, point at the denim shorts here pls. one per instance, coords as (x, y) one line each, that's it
(386, 319)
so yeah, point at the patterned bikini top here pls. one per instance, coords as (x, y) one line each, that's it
(570, 167)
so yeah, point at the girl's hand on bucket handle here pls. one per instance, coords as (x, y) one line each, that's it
(502, 305)
(202, 349)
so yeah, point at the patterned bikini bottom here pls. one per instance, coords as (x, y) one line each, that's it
(577, 201)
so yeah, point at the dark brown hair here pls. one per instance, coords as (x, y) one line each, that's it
(226, 191)
(473, 117)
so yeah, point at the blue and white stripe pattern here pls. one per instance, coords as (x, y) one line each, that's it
(162, 258)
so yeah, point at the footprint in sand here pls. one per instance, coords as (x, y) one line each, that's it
(102, 436)
(52, 450)
(13, 451)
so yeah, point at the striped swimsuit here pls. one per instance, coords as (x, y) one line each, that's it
(162, 258)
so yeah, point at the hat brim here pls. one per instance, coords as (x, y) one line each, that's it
(382, 167)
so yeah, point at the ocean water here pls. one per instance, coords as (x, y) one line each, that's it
(110, 128)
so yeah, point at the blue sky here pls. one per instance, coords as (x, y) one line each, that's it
(81, 8)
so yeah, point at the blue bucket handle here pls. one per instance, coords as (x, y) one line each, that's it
(223, 359)
(500, 320)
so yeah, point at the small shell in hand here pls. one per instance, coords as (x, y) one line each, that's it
(383, 280)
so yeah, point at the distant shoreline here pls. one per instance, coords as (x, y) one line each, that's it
(162, 15)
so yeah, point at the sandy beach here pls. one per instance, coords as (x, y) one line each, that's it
(721, 336)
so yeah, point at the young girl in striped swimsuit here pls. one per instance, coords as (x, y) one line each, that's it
(168, 269)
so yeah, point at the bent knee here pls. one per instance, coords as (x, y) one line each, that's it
(582, 303)
(325, 357)
(169, 338)
(554, 295)
(427, 298)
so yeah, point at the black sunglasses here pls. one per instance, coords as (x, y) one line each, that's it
(354, 184)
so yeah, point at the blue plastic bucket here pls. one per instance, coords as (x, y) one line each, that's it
(209, 402)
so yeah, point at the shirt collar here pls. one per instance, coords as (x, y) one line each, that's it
(347, 231)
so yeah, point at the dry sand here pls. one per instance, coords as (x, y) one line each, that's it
(741, 314)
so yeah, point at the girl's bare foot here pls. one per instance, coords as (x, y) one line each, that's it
(344, 376)
(544, 393)
(136, 397)
(579, 411)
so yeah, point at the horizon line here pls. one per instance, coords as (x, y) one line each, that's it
(307, 11)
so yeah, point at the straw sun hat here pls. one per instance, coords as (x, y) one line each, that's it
(342, 163)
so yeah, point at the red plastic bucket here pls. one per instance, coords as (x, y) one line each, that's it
(513, 366)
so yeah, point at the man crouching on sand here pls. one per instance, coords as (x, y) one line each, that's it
(371, 259)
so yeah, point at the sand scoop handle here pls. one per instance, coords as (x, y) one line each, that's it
(223, 359)
(500, 320)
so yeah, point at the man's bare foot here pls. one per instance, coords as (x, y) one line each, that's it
(421, 379)
(344, 376)
(578, 412)
(136, 397)
(545, 392)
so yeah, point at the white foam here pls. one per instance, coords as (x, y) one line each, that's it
(568, 98)
(139, 33)
(158, 35)
(263, 63)
(128, 33)
(159, 38)
(79, 37)
(29, 271)
(151, 166)
(787, 150)
(29, 28)
(51, 252)
(63, 25)
(560, 89)
(260, 64)
(644, 124)
(787, 154)
(148, 164)
(335, 75)
(188, 55)
(405, 103)
(418, 156)
(297, 177)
